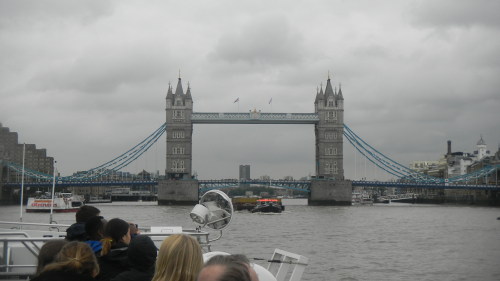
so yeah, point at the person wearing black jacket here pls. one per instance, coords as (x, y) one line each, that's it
(113, 259)
(142, 254)
(76, 232)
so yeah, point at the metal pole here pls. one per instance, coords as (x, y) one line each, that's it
(53, 191)
(22, 186)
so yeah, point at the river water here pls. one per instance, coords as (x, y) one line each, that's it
(379, 242)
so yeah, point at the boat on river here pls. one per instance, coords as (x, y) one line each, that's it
(21, 241)
(62, 202)
(267, 206)
(361, 199)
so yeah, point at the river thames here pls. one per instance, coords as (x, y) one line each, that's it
(379, 242)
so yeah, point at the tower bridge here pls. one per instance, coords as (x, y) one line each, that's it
(327, 118)
(329, 186)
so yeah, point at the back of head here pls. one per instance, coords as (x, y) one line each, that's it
(142, 253)
(85, 213)
(179, 259)
(114, 231)
(226, 268)
(94, 228)
(76, 257)
(48, 253)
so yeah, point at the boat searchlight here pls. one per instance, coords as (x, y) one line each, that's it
(214, 210)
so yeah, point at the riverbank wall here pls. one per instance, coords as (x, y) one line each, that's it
(459, 197)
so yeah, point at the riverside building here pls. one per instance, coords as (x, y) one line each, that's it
(12, 151)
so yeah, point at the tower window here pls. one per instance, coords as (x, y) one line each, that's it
(178, 134)
(330, 150)
(329, 168)
(178, 165)
(178, 114)
(331, 115)
(178, 150)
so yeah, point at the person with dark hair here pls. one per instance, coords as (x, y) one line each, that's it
(76, 232)
(75, 262)
(94, 228)
(48, 253)
(228, 268)
(134, 230)
(141, 254)
(113, 259)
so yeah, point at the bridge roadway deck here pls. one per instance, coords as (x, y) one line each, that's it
(302, 185)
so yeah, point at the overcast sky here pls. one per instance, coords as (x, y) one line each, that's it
(87, 80)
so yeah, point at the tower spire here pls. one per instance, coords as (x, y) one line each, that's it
(179, 90)
(188, 92)
(340, 92)
(328, 88)
(170, 95)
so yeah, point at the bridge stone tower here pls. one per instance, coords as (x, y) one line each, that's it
(329, 133)
(179, 108)
(179, 188)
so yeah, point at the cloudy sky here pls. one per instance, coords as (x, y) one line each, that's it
(87, 79)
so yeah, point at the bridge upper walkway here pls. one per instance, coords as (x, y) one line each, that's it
(253, 117)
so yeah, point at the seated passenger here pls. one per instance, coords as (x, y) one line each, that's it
(94, 228)
(75, 262)
(113, 259)
(134, 230)
(141, 255)
(228, 268)
(48, 253)
(76, 232)
(179, 259)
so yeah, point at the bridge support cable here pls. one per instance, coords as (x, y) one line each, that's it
(121, 161)
(374, 156)
(394, 168)
(113, 165)
(352, 141)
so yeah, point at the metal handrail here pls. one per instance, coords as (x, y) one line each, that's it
(27, 242)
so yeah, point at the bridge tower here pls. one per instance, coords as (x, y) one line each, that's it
(329, 106)
(179, 108)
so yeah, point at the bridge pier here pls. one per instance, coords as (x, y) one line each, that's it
(178, 192)
(330, 193)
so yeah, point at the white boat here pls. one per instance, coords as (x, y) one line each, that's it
(62, 202)
(20, 247)
(361, 199)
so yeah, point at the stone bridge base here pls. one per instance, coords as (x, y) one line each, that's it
(330, 193)
(178, 192)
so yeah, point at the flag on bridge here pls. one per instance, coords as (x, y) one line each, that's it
(237, 100)
(271, 100)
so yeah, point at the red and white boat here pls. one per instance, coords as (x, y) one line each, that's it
(62, 202)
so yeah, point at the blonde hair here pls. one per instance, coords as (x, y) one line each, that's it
(76, 257)
(179, 259)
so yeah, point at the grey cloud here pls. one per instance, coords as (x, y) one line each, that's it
(97, 74)
(267, 40)
(26, 13)
(451, 13)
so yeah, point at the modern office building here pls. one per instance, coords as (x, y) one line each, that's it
(244, 172)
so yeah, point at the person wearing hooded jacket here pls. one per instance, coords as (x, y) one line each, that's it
(94, 228)
(76, 232)
(113, 259)
(141, 254)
